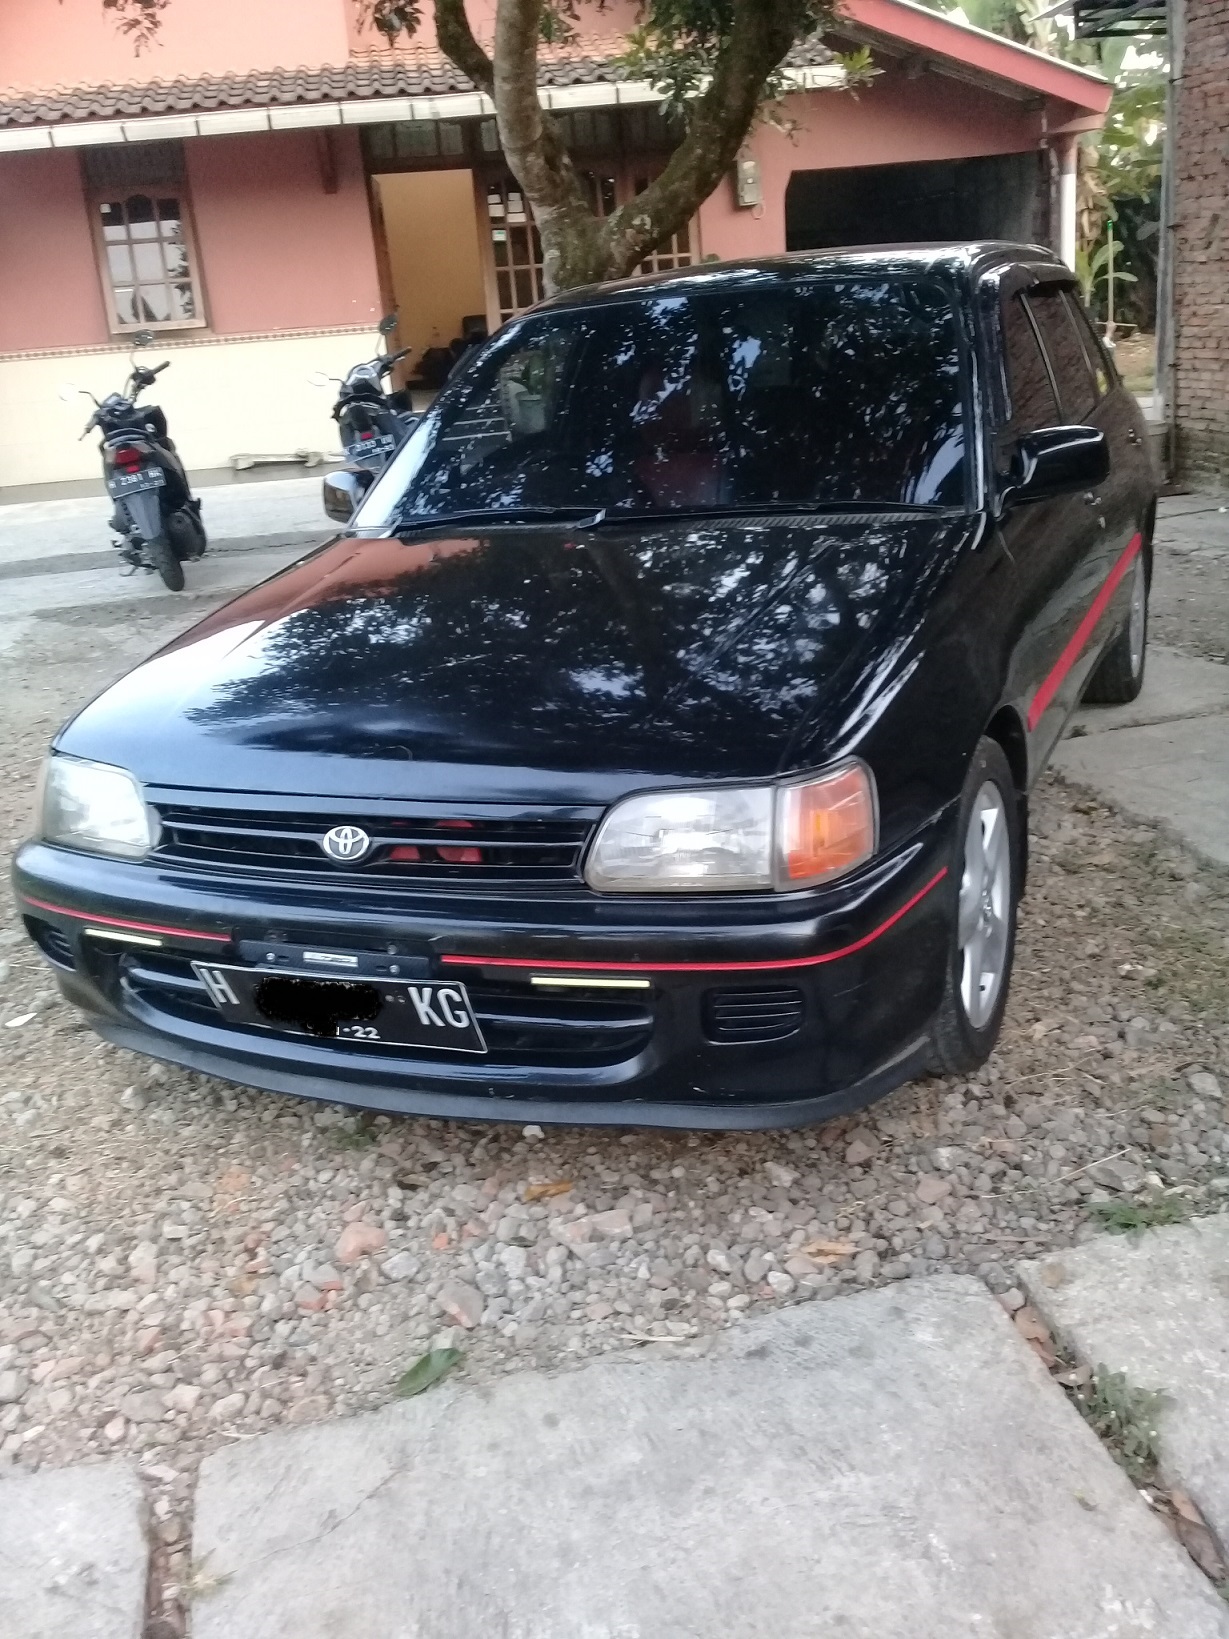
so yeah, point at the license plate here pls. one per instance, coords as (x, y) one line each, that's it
(371, 449)
(127, 483)
(400, 1012)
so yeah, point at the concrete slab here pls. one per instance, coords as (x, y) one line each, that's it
(895, 1465)
(72, 1554)
(1174, 773)
(284, 509)
(1175, 685)
(1156, 1307)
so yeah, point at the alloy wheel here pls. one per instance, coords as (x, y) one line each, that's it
(983, 922)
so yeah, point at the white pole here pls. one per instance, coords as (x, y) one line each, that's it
(1109, 292)
(1067, 200)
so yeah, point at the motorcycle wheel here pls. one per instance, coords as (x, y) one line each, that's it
(162, 556)
(186, 534)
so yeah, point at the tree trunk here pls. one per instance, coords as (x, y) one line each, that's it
(577, 246)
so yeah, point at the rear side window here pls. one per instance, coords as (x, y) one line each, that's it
(1031, 392)
(1073, 376)
(1099, 361)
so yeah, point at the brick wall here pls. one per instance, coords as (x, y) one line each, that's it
(1201, 262)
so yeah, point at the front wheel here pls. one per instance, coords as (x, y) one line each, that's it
(162, 556)
(982, 941)
(1120, 673)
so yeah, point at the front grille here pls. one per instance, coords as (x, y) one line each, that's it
(406, 848)
(519, 1027)
(752, 1015)
(54, 945)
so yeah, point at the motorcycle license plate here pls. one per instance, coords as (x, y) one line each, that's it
(129, 483)
(399, 1011)
(371, 449)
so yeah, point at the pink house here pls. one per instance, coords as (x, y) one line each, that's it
(268, 179)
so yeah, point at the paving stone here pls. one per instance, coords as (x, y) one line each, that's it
(72, 1554)
(895, 1465)
(1156, 1306)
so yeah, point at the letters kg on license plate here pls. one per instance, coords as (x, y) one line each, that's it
(399, 1012)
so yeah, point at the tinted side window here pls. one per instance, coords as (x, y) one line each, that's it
(1077, 388)
(1102, 365)
(1033, 404)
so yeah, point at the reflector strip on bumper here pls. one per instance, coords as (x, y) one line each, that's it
(700, 967)
(99, 922)
(1075, 647)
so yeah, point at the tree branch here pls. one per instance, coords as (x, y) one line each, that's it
(457, 42)
(762, 34)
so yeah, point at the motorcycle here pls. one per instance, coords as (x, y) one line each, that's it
(372, 421)
(156, 516)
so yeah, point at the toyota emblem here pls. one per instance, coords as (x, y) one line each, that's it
(345, 843)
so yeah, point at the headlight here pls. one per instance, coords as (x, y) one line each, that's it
(737, 840)
(96, 807)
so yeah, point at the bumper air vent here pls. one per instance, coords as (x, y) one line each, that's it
(54, 945)
(747, 1016)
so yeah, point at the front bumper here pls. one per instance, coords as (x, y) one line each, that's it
(755, 1012)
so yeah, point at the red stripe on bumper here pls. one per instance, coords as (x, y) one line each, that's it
(1083, 632)
(133, 927)
(700, 967)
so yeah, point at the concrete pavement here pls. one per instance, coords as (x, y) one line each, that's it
(1165, 758)
(896, 1465)
(72, 1554)
(1156, 1306)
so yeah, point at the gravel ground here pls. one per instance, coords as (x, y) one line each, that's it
(183, 1263)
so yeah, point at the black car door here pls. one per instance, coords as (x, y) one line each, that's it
(1052, 542)
(1097, 594)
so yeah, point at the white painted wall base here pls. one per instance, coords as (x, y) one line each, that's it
(222, 397)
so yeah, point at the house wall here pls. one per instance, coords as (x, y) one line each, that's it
(1201, 259)
(290, 285)
(895, 120)
(77, 42)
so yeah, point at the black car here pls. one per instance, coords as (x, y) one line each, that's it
(656, 745)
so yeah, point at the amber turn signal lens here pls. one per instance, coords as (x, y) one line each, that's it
(825, 827)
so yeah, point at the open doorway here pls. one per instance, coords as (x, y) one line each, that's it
(435, 265)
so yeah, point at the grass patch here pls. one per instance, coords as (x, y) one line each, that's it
(1125, 1419)
(1126, 1217)
(359, 1137)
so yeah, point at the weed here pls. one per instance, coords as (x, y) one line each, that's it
(1125, 1419)
(200, 1581)
(1124, 1217)
(357, 1137)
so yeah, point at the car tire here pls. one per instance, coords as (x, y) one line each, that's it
(986, 871)
(162, 556)
(1120, 675)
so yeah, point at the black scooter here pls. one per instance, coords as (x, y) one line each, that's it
(373, 422)
(156, 516)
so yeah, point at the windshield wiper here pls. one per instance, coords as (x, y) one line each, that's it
(579, 517)
(771, 509)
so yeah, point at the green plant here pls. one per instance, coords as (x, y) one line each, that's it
(1093, 270)
(1126, 1217)
(1125, 1419)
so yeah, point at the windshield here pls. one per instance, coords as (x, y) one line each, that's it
(825, 392)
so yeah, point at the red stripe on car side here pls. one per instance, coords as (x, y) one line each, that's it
(1083, 632)
(701, 967)
(119, 922)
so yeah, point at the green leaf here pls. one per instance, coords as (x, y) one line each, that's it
(426, 1371)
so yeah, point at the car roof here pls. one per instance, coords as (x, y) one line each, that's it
(969, 262)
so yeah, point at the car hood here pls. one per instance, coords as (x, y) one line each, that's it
(534, 664)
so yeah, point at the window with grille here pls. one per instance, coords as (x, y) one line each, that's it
(138, 201)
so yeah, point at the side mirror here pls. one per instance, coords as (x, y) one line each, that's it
(388, 324)
(318, 378)
(1057, 461)
(344, 490)
(143, 338)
